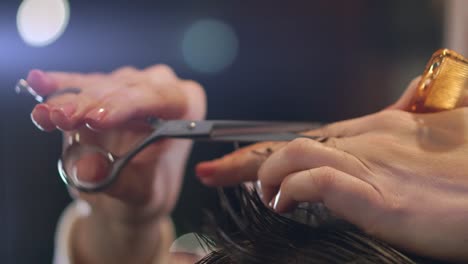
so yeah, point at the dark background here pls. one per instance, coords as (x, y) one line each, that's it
(297, 60)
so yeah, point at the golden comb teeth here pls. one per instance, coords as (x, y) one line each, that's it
(443, 83)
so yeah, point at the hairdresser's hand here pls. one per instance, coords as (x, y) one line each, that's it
(399, 176)
(110, 112)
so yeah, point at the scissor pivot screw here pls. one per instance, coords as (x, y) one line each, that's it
(192, 125)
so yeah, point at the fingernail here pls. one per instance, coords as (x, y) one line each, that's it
(40, 118)
(205, 169)
(97, 115)
(274, 203)
(94, 129)
(258, 187)
(40, 81)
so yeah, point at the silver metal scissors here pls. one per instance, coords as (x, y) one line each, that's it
(204, 130)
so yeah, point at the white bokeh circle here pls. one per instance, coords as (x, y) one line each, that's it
(41, 22)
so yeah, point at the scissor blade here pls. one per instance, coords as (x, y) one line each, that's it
(251, 138)
(235, 128)
(184, 128)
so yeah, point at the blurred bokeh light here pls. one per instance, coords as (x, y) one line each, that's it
(209, 46)
(41, 22)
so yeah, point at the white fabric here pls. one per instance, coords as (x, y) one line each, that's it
(74, 211)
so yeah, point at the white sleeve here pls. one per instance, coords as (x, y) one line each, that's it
(74, 211)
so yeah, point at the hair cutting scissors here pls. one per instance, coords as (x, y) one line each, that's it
(204, 130)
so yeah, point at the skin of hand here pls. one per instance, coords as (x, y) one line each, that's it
(110, 112)
(399, 176)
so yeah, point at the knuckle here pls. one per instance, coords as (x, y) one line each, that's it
(297, 147)
(125, 70)
(326, 177)
(161, 69)
(394, 205)
(332, 142)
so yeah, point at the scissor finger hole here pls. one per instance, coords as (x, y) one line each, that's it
(86, 166)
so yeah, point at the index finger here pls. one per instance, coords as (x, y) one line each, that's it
(303, 154)
(237, 167)
(46, 83)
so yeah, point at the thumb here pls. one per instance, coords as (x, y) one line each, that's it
(347, 128)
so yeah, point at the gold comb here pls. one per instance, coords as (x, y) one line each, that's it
(443, 83)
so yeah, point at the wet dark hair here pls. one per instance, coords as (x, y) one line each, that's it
(248, 232)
